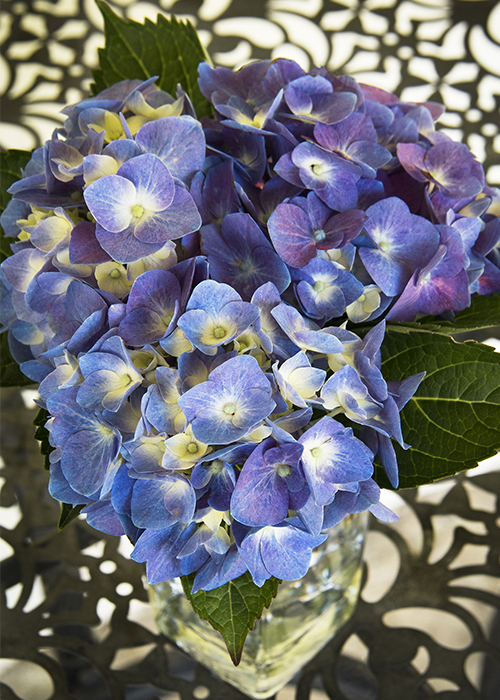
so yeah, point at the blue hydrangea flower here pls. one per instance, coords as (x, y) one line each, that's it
(180, 288)
(331, 177)
(159, 405)
(366, 497)
(325, 290)
(215, 314)
(333, 456)
(283, 551)
(159, 549)
(85, 445)
(305, 334)
(219, 478)
(298, 380)
(236, 397)
(109, 376)
(162, 499)
(140, 208)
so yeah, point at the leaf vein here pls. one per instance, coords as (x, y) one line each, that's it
(445, 430)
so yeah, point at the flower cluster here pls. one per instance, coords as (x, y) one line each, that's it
(180, 290)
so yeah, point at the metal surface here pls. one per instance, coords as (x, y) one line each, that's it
(442, 50)
(76, 606)
(75, 619)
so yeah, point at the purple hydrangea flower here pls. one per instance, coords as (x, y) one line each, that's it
(311, 99)
(153, 307)
(355, 139)
(442, 284)
(179, 142)
(240, 255)
(330, 176)
(186, 369)
(449, 165)
(302, 226)
(270, 483)
(400, 241)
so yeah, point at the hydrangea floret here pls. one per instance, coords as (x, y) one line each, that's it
(186, 292)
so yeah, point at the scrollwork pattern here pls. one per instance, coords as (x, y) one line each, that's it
(74, 606)
(75, 616)
(442, 50)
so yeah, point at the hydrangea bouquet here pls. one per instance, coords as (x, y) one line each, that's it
(237, 292)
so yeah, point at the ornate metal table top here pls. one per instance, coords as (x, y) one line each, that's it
(76, 623)
(442, 50)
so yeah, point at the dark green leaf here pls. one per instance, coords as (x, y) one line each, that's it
(170, 49)
(68, 514)
(482, 314)
(68, 511)
(10, 374)
(42, 435)
(11, 163)
(453, 421)
(233, 608)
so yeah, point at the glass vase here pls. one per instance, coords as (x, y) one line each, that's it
(302, 618)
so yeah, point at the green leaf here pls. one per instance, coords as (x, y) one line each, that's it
(482, 314)
(68, 511)
(170, 49)
(42, 435)
(232, 609)
(10, 374)
(453, 421)
(68, 514)
(11, 163)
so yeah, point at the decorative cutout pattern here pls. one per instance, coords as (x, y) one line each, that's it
(75, 608)
(442, 50)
